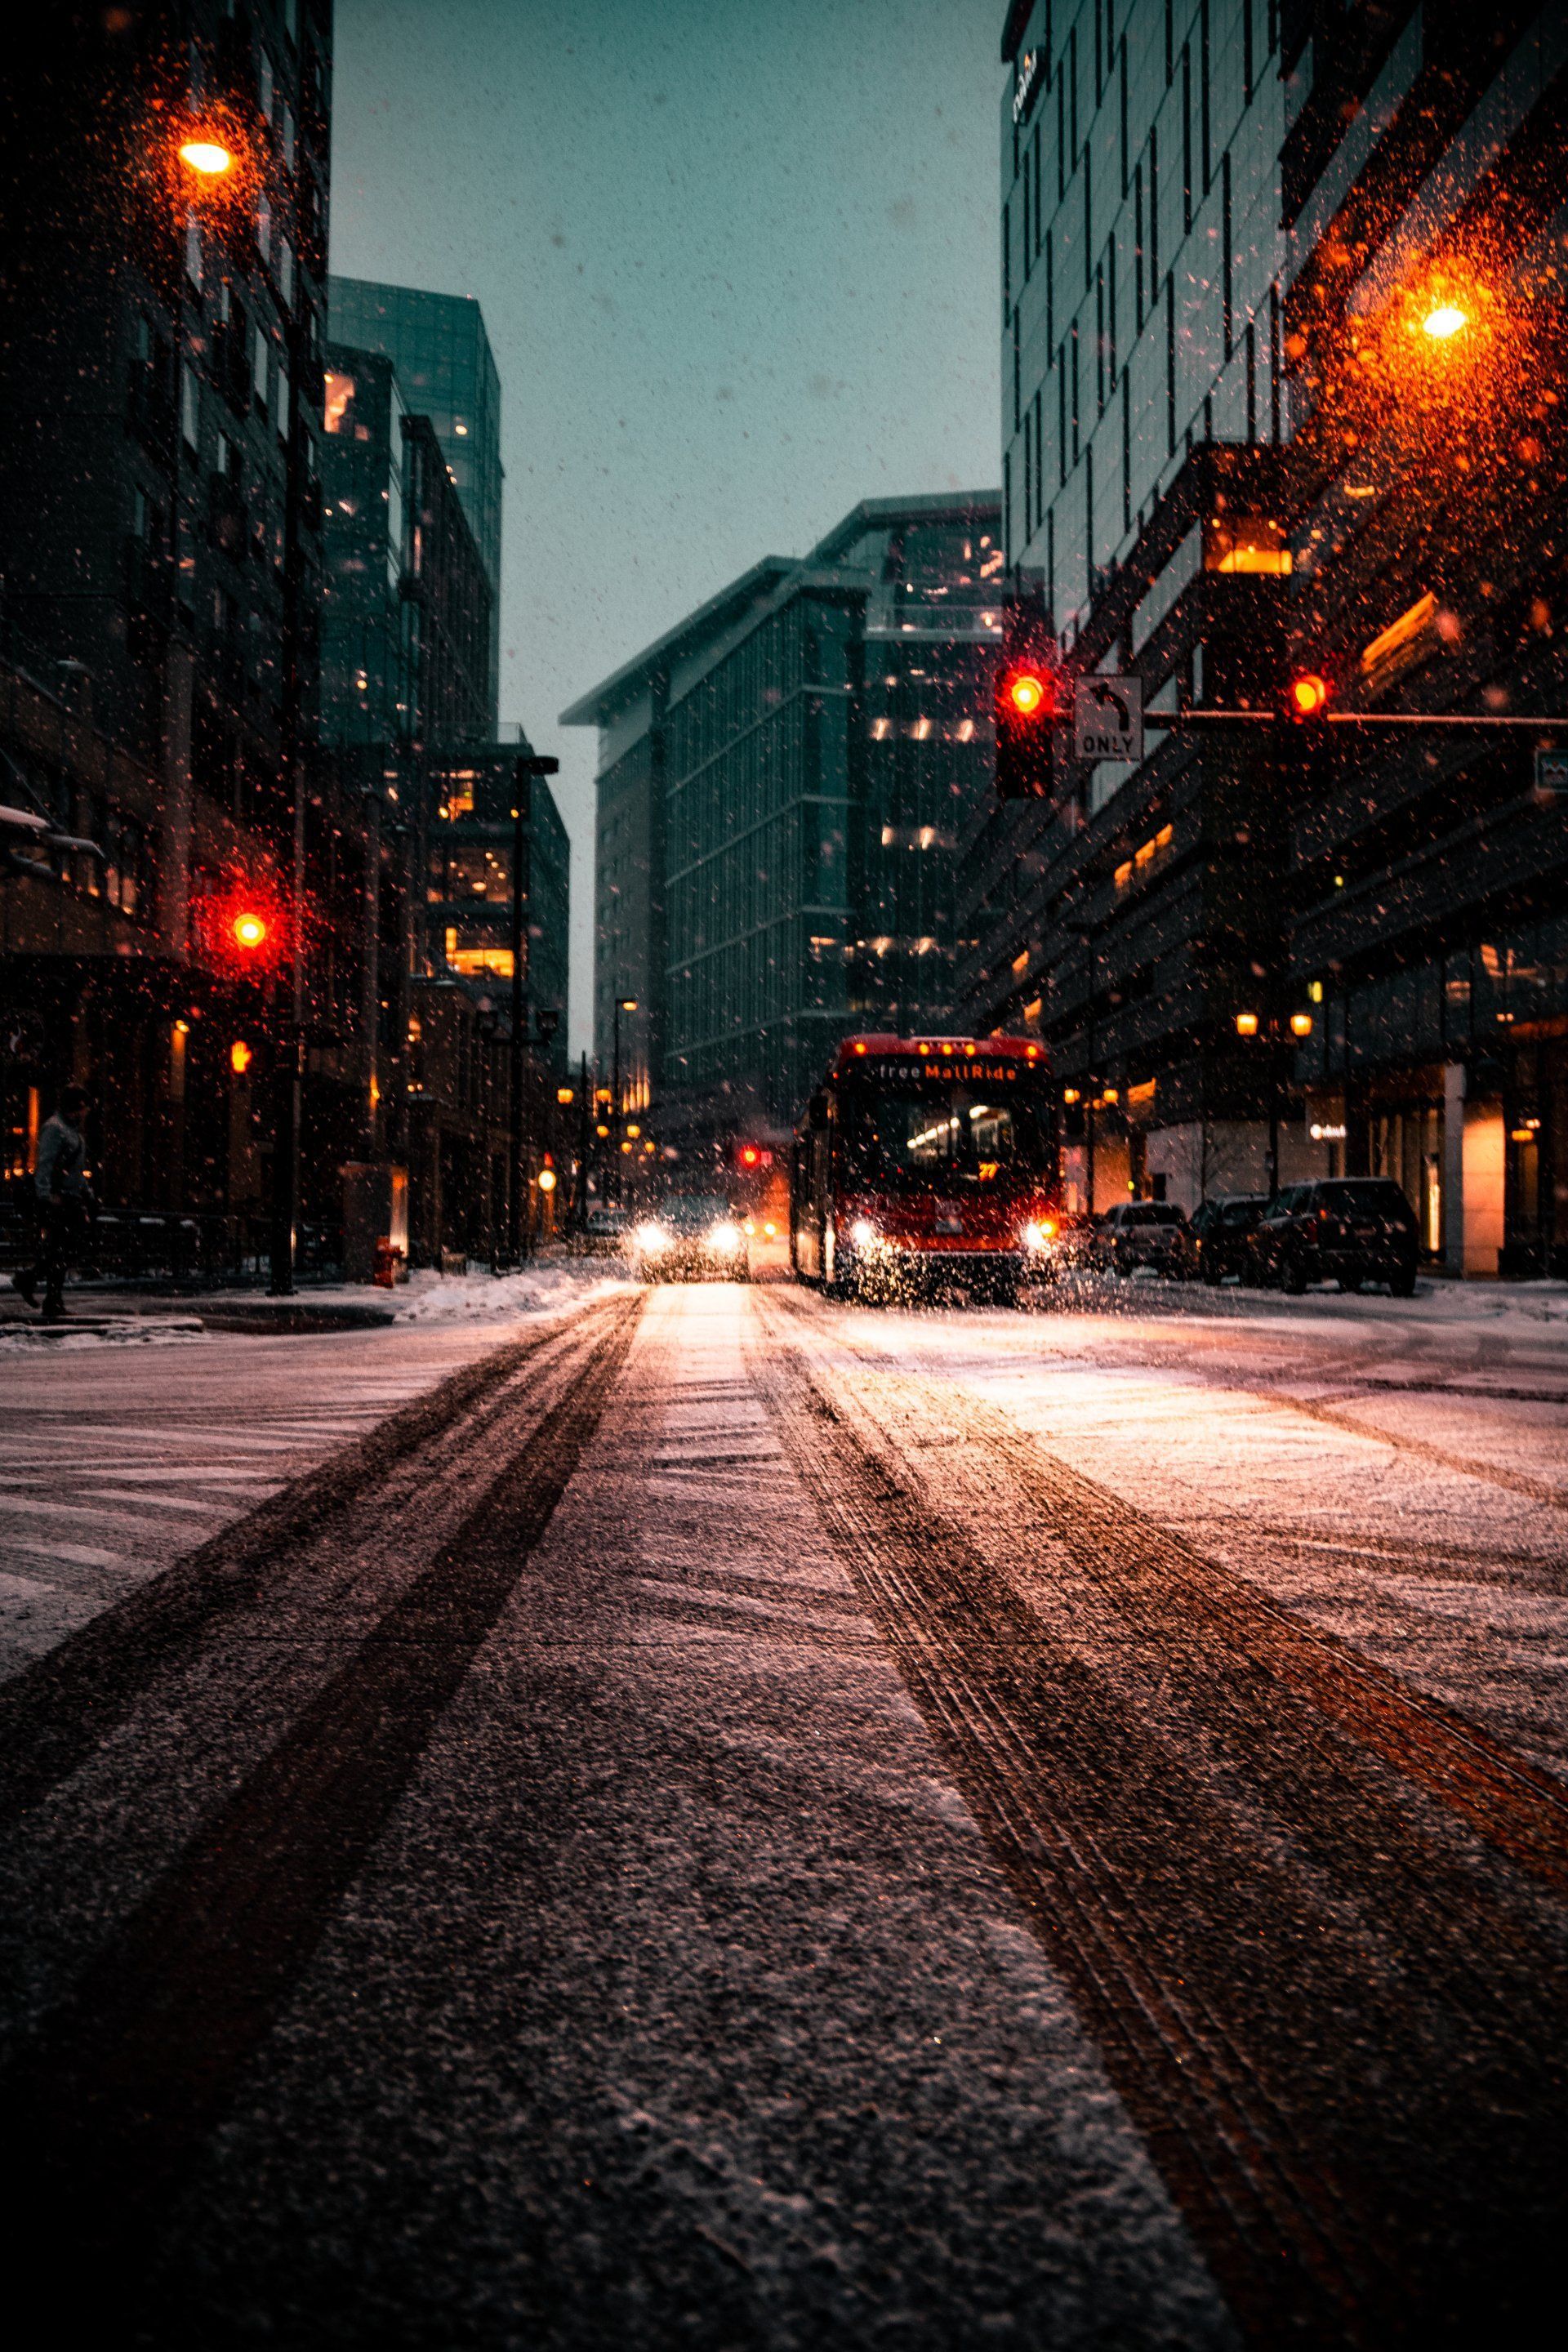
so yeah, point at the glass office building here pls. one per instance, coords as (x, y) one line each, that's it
(439, 345)
(365, 690)
(785, 780)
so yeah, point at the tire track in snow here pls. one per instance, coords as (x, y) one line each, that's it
(1339, 2021)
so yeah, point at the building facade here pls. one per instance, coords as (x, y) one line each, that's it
(1234, 448)
(442, 354)
(785, 781)
(159, 505)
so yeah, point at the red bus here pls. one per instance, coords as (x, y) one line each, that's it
(920, 1157)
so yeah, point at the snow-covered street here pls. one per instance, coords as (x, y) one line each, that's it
(736, 1819)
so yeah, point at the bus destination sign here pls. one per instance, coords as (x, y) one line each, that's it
(979, 1069)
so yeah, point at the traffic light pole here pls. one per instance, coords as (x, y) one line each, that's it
(290, 1023)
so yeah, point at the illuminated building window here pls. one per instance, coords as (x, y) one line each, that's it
(1246, 543)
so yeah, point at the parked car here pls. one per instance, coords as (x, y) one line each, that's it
(1222, 1234)
(690, 1234)
(1349, 1228)
(1152, 1233)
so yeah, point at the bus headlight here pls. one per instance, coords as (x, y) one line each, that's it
(651, 1239)
(1038, 1233)
(726, 1237)
(862, 1233)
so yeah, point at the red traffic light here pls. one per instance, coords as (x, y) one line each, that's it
(243, 928)
(751, 1155)
(1309, 696)
(1029, 692)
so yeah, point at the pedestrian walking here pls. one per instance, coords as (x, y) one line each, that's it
(65, 1204)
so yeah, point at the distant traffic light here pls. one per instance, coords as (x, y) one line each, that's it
(751, 1156)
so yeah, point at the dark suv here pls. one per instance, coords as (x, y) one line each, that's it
(1355, 1228)
(1222, 1234)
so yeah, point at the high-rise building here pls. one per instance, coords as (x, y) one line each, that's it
(447, 372)
(1272, 278)
(784, 779)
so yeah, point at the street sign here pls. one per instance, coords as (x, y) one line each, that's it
(1108, 718)
(1551, 775)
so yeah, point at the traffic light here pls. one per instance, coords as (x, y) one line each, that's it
(243, 928)
(1031, 702)
(1306, 697)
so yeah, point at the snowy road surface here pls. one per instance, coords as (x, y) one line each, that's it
(734, 1820)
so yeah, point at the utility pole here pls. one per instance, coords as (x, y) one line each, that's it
(520, 1233)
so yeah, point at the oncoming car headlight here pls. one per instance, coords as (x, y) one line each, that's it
(862, 1233)
(652, 1239)
(725, 1236)
(1039, 1233)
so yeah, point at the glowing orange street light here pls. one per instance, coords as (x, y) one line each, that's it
(1247, 1024)
(1444, 320)
(564, 1094)
(1308, 695)
(1301, 1024)
(1026, 692)
(250, 930)
(547, 1179)
(207, 157)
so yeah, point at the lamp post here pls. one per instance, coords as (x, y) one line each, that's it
(1089, 937)
(623, 1004)
(518, 1234)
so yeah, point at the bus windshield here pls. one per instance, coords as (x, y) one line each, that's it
(913, 1136)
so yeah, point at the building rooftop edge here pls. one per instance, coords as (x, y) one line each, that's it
(590, 708)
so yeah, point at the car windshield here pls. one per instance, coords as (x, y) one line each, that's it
(1154, 1213)
(960, 1135)
(693, 1212)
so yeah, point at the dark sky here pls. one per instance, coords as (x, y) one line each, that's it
(738, 265)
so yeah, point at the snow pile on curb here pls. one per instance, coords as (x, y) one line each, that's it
(429, 1298)
(132, 1332)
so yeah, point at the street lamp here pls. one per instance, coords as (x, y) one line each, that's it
(207, 157)
(1445, 320)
